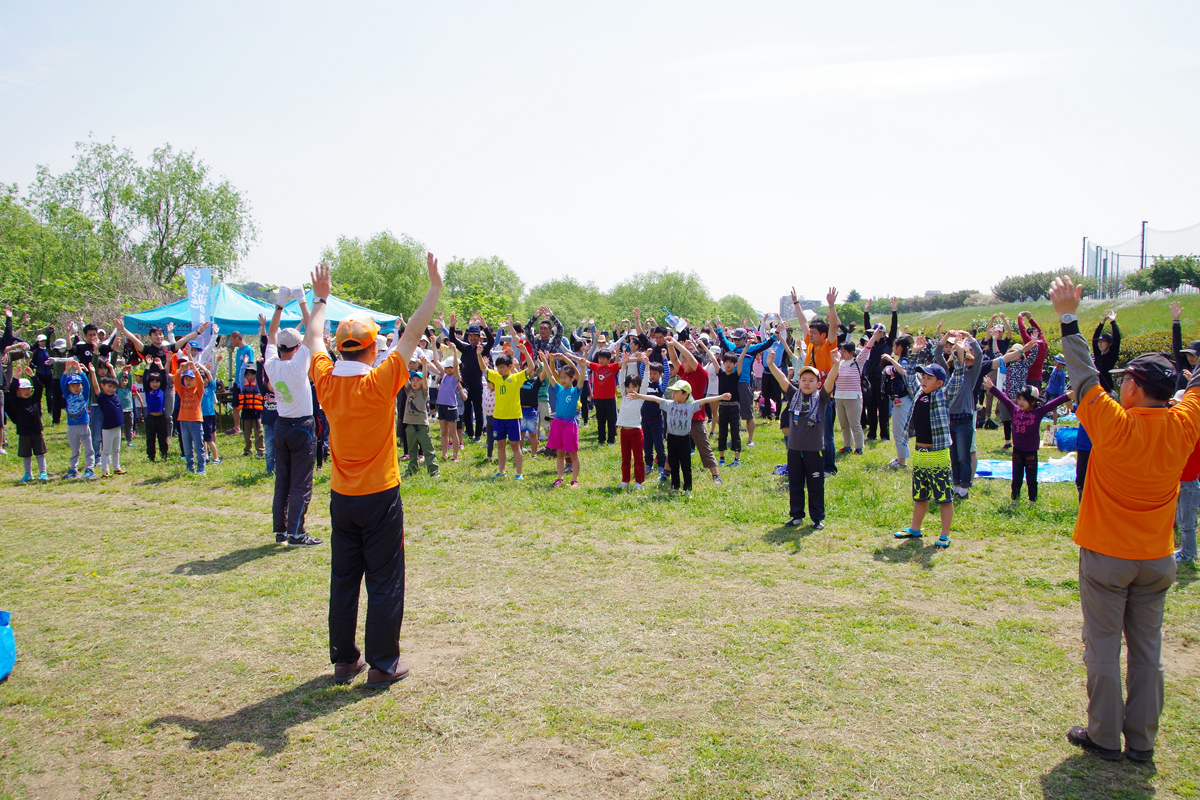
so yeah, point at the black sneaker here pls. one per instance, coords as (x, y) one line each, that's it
(1141, 756)
(1078, 736)
(280, 538)
(795, 522)
(818, 526)
(303, 541)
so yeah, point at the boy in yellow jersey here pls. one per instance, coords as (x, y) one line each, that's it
(365, 511)
(506, 419)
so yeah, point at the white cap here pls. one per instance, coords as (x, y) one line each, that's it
(380, 342)
(24, 383)
(41, 337)
(288, 337)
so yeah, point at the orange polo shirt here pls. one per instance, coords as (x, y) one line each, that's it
(362, 423)
(820, 355)
(1128, 505)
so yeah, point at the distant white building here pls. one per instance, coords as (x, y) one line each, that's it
(932, 293)
(786, 310)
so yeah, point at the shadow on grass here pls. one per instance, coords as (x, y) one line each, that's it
(230, 561)
(785, 534)
(1185, 577)
(157, 479)
(266, 722)
(1083, 777)
(906, 553)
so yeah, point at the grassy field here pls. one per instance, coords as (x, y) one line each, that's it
(1135, 315)
(578, 644)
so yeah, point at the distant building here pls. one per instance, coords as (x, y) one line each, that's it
(932, 293)
(787, 310)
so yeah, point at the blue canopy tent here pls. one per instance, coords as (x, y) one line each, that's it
(230, 309)
(336, 310)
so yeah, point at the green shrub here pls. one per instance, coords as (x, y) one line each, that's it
(1152, 342)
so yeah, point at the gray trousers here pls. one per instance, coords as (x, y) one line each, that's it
(1119, 595)
(418, 435)
(81, 436)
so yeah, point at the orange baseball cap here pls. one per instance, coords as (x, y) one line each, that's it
(356, 333)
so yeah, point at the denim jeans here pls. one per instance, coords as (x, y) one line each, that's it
(96, 426)
(1185, 517)
(269, 443)
(899, 420)
(962, 430)
(192, 434)
(830, 461)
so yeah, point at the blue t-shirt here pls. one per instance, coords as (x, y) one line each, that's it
(155, 401)
(77, 404)
(565, 401)
(243, 352)
(208, 400)
(110, 410)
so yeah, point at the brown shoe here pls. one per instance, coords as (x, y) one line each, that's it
(378, 679)
(344, 672)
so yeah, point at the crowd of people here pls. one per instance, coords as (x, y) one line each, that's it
(667, 392)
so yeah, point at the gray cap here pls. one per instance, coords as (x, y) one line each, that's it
(288, 337)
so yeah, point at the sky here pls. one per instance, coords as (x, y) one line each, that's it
(887, 147)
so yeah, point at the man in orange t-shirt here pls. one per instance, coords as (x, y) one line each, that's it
(365, 511)
(1124, 532)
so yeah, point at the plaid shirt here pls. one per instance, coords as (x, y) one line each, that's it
(939, 402)
(539, 345)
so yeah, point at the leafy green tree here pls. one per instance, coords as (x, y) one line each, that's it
(474, 299)
(383, 273)
(681, 292)
(854, 296)
(492, 278)
(733, 307)
(163, 217)
(1166, 273)
(572, 301)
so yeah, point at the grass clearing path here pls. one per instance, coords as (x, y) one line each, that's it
(580, 644)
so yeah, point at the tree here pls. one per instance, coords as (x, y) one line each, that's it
(733, 307)
(572, 301)
(490, 276)
(681, 292)
(383, 272)
(1166, 273)
(854, 296)
(163, 217)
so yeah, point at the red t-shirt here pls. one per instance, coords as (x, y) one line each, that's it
(1191, 470)
(604, 380)
(699, 383)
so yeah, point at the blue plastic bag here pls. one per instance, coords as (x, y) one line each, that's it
(1066, 438)
(8, 646)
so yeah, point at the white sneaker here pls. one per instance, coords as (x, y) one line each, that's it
(637, 486)
(624, 485)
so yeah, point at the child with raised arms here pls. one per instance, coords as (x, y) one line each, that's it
(1026, 414)
(629, 422)
(679, 411)
(506, 419)
(565, 388)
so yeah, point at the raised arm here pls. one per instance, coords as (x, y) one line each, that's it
(135, 341)
(832, 316)
(780, 376)
(314, 338)
(420, 318)
(831, 378)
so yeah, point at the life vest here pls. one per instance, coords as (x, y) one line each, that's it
(249, 399)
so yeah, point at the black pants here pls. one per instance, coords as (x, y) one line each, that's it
(1024, 463)
(321, 437)
(806, 469)
(585, 397)
(606, 420)
(679, 460)
(473, 411)
(878, 408)
(1081, 464)
(367, 540)
(56, 401)
(652, 435)
(771, 392)
(295, 453)
(157, 429)
(729, 423)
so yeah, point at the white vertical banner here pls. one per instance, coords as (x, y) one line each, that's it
(199, 289)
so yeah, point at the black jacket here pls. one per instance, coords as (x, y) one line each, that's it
(24, 412)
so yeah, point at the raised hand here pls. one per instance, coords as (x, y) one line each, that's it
(1065, 296)
(867, 307)
(322, 284)
(987, 384)
(831, 296)
(453, 319)
(431, 265)
(1176, 311)
(795, 299)
(895, 304)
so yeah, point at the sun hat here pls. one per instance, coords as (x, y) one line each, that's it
(681, 386)
(473, 329)
(356, 332)
(447, 363)
(1030, 393)
(60, 344)
(1193, 348)
(24, 383)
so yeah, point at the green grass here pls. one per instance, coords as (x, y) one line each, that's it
(1136, 315)
(587, 643)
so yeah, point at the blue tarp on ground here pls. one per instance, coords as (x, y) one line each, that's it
(231, 310)
(1047, 473)
(336, 310)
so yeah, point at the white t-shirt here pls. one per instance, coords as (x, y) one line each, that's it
(289, 379)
